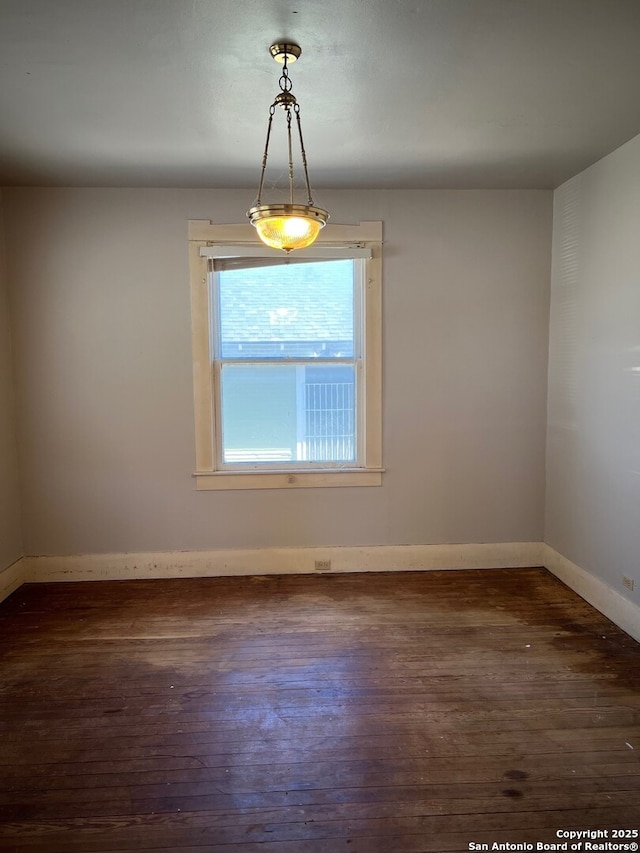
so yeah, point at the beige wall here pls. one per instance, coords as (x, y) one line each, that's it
(10, 536)
(593, 459)
(103, 358)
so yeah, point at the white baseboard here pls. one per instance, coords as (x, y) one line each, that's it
(177, 564)
(614, 606)
(12, 578)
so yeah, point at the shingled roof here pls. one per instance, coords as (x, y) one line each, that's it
(288, 310)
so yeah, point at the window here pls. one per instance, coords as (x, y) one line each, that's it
(287, 359)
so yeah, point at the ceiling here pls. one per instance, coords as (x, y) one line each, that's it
(393, 93)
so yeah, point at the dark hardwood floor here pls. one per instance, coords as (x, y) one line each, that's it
(368, 713)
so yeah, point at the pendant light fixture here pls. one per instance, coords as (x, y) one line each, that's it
(287, 226)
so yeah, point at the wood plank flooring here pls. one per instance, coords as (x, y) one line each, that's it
(365, 713)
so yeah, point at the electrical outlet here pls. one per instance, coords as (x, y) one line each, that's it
(628, 583)
(323, 565)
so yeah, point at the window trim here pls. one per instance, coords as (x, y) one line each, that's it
(203, 234)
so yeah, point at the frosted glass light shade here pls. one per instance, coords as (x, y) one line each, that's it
(288, 226)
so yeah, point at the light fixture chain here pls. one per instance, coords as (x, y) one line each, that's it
(303, 154)
(290, 153)
(272, 110)
(285, 80)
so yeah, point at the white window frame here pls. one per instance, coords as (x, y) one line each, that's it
(210, 473)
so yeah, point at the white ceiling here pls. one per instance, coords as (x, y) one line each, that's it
(393, 93)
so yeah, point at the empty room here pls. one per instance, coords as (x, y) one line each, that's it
(319, 426)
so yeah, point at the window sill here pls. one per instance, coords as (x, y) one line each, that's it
(319, 478)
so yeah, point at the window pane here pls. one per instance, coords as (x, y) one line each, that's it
(287, 311)
(288, 413)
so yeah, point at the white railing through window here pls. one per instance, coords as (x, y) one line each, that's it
(329, 433)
